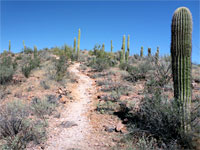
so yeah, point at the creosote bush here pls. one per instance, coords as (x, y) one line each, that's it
(7, 69)
(17, 129)
(27, 68)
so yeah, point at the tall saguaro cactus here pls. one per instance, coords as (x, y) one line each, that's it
(157, 55)
(158, 51)
(122, 59)
(74, 50)
(111, 48)
(24, 45)
(181, 47)
(35, 52)
(141, 51)
(9, 48)
(128, 48)
(78, 47)
(149, 52)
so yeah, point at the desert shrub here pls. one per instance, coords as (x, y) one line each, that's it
(106, 107)
(28, 50)
(16, 129)
(139, 72)
(117, 87)
(100, 64)
(44, 84)
(19, 57)
(44, 107)
(159, 117)
(7, 69)
(114, 96)
(61, 68)
(27, 68)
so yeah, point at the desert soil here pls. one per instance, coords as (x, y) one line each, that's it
(74, 129)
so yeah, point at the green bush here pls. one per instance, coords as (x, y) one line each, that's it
(27, 68)
(7, 69)
(16, 129)
(61, 68)
(44, 107)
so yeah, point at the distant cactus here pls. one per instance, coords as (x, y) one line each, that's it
(78, 47)
(9, 48)
(181, 47)
(35, 52)
(74, 50)
(157, 55)
(111, 48)
(103, 47)
(149, 52)
(158, 51)
(141, 51)
(24, 45)
(122, 58)
(128, 48)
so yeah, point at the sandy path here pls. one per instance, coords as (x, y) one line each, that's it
(75, 137)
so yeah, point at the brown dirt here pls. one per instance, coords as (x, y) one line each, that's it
(89, 133)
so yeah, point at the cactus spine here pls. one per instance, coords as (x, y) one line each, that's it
(128, 48)
(181, 47)
(78, 47)
(35, 52)
(141, 51)
(74, 50)
(149, 52)
(9, 48)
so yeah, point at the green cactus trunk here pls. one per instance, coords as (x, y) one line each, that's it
(111, 48)
(128, 48)
(141, 52)
(102, 51)
(103, 47)
(35, 52)
(181, 47)
(157, 55)
(122, 58)
(158, 51)
(149, 52)
(74, 50)
(9, 48)
(24, 45)
(78, 47)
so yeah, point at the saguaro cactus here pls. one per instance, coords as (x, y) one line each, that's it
(9, 48)
(111, 48)
(78, 47)
(128, 48)
(149, 52)
(24, 45)
(35, 52)
(141, 51)
(74, 50)
(181, 47)
(157, 55)
(158, 51)
(123, 50)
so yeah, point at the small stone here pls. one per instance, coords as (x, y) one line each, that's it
(119, 127)
(68, 124)
(109, 129)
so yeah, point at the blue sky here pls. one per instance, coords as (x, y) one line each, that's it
(54, 23)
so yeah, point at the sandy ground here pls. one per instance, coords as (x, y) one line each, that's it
(75, 137)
